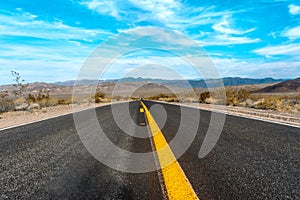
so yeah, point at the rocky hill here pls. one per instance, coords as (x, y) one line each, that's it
(197, 83)
(283, 87)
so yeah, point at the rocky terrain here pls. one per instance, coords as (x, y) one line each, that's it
(283, 87)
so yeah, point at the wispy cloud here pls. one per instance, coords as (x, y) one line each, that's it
(63, 35)
(226, 34)
(224, 27)
(289, 49)
(104, 7)
(167, 13)
(35, 47)
(223, 40)
(292, 33)
(162, 37)
(294, 10)
(177, 15)
(27, 24)
(257, 68)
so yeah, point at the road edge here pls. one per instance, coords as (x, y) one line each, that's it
(61, 115)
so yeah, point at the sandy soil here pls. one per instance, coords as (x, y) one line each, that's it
(22, 117)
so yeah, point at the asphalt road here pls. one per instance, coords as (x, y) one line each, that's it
(47, 160)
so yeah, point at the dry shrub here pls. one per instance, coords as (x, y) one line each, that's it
(237, 97)
(50, 102)
(243, 97)
(99, 95)
(160, 96)
(42, 98)
(6, 103)
(204, 96)
(64, 101)
(164, 97)
(106, 100)
(19, 100)
(281, 103)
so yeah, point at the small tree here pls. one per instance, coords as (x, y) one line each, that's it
(20, 86)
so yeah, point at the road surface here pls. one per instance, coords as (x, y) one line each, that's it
(252, 160)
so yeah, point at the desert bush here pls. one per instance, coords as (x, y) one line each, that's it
(281, 103)
(42, 97)
(243, 97)
(235, 97)
(50, 102)
(204, 96)
(31, 98)
(6, 102)
(164, 97)
(64, 101)
(99, 95)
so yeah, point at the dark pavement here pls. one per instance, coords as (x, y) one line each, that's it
(252, 160)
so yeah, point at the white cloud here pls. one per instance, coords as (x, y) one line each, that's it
(26, 24)
(221, 40)
(161, 9)
(104, 7)
(176, 15)
(224, 27)
(257, 68)
(292, 33)
(39, 70)
(165, 13)
(294, 10)
(289, 49)
(51, 46)
(226, 34)
(165, 37)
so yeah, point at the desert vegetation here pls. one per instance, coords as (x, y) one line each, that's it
(240, 96)
(23, 99)
(248, 97)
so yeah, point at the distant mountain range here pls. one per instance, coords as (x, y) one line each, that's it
(286, 86)
(228, 81)
(160, 85)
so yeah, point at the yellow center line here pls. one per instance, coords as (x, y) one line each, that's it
(176, 183)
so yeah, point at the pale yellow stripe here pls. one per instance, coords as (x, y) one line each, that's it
(177, 184)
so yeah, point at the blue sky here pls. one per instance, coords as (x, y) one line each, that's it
(49, 40)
